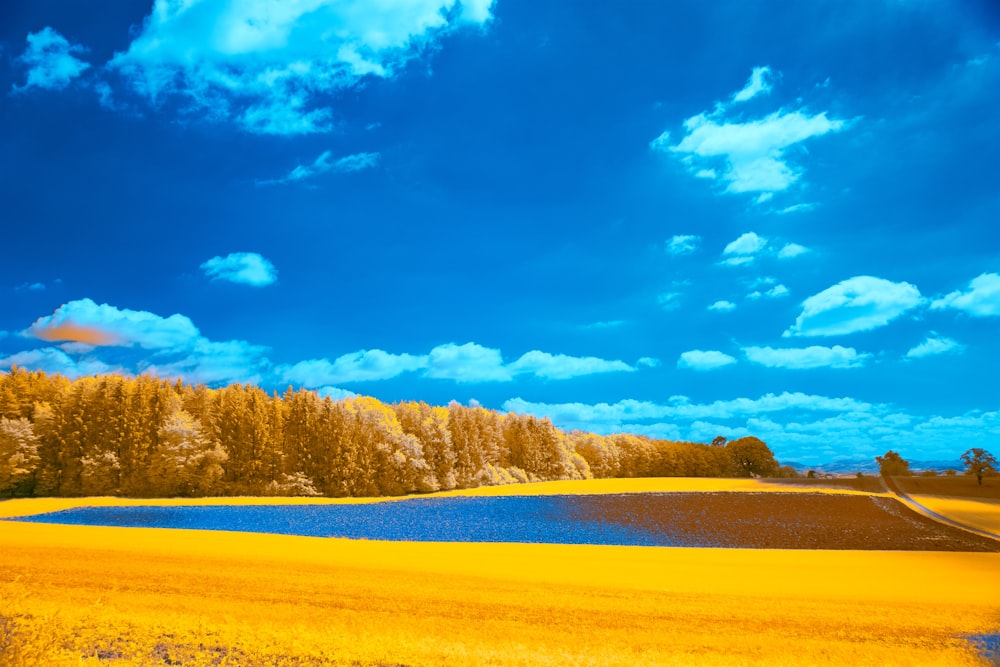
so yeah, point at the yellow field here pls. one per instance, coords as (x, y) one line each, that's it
(127, 596)
(981, 513)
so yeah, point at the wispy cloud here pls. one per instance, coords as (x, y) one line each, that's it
(50, 61)
(563, 367)
(53, 360)
(747, 244)
(245, 268)
(775, 292)
(750, 155)
(326, 164)
(683, 244)
(757, 84)
(790, 250)
(808, 357)
(268, 65)
(861, 303)
(704, 360)
(934, 345)
(981, 299)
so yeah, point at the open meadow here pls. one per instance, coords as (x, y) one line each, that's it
(97, 595)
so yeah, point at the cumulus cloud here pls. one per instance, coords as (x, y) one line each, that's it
(683, 244)
(750, 155)
(649, 362)
(747, 244)
(563, 367)
(360, 366)
(212, 363)
(723, 306)
(84, 321)
(981, 299)
(265, 64)
(792, 250)
(704, 360)
(326, 164)
(470, 362)
(775, 292)
(246, 268)
(757, 84)
(807, 428)
(807, 357)
(53, 360)
(860, 303)
(467, 363)
(934, 345)
(50, 61)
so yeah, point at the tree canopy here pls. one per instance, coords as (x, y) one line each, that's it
(143, 436)
(978, 462)
(891, 464)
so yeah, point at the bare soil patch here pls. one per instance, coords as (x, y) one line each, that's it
(957, 486)
(781, 521)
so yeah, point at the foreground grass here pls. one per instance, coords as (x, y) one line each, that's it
(124, 596)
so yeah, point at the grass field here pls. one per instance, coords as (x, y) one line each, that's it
(74, 595)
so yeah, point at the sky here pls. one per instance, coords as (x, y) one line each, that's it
(679, 219)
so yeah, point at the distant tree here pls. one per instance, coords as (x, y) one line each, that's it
(751, 457)
(978, 462)
(719, 441)
(892, 464)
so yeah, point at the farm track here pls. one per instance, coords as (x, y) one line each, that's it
(915, 505)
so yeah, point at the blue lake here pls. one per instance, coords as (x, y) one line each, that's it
(542, 519)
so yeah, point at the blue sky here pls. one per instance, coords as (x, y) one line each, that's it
(682, 219)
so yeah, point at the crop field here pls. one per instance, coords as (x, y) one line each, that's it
(98, 595)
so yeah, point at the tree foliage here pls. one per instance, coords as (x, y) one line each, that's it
(978, 462)
(142, 436)
(891, 464)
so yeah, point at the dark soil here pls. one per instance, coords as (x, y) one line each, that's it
(779, 521)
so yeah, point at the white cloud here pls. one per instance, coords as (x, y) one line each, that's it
(30, 287)
(562, 367)
(212, 363)
(792, 250)
(756, 85)
(84, 321)
(467, 363)
(683, 244)
(807, 428)
(747, 244)
(738, 261)
(861, 303)
(247, 268)
(324, 164)
(751, 154)
(710, 174)
(982, 299)
(50, 61)
(796, 208)
(776, 292)
(704, 360)
(53, 360)
(807, 357)
(933, 345)
(723, 306)
(649, 362)
(360, 366)
(265, 64)
(335, 393)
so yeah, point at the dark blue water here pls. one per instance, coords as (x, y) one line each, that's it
(541, 519)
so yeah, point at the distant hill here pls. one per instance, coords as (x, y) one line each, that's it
(870, 466)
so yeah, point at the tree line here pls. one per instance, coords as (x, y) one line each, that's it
(144, 436)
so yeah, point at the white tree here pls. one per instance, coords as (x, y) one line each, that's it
(185, 462)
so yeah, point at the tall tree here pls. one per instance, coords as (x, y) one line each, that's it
(751, 457)
(891, 464)
(978, 462)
